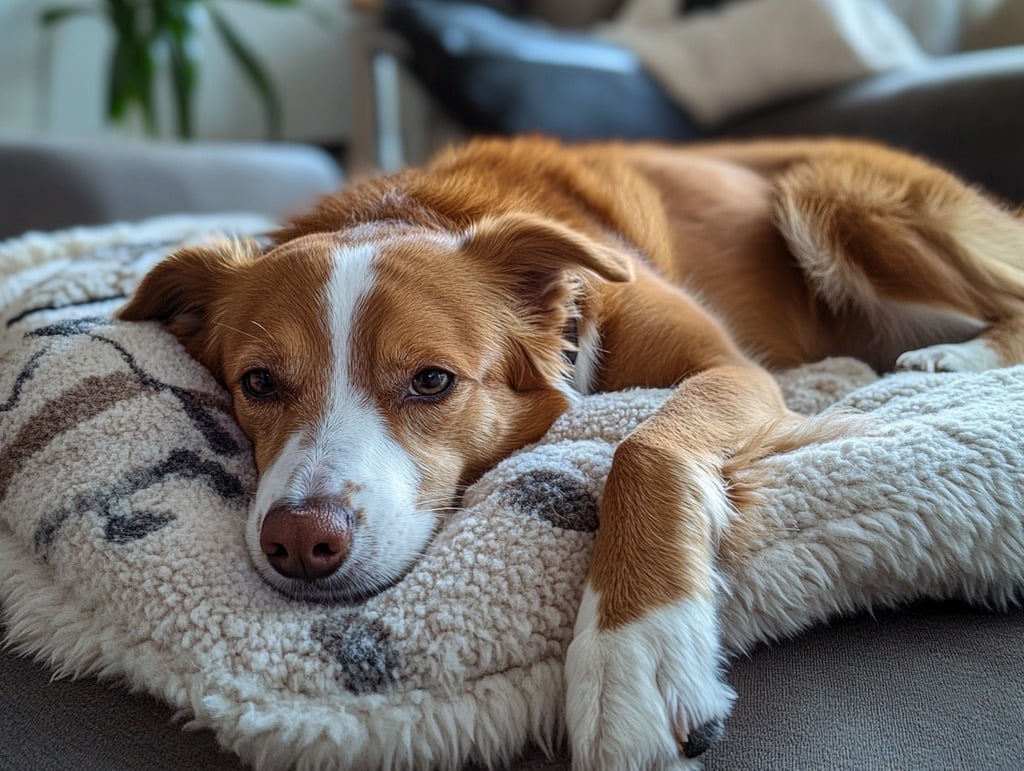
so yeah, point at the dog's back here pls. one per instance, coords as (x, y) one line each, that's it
(747, 229)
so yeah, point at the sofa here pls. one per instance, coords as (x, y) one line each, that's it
(495, 68)
(935, 685)
(53, 183)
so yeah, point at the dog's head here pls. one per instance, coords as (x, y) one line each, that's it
(376, 372)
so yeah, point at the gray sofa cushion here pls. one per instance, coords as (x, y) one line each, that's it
(962, 111)
(933, 686)
(55, 725)
(52, 184)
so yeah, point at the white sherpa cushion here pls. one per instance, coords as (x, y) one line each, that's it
(123, 491)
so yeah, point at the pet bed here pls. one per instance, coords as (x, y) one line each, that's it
(123, 490)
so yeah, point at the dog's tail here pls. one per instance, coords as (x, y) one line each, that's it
(986, 243)
(871, 226)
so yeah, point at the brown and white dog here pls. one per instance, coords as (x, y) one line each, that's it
(413, 330)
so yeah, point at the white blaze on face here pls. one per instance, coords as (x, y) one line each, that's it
(348, 452)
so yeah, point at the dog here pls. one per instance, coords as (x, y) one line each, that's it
(412, 330)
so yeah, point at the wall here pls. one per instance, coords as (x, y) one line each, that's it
(305, 56)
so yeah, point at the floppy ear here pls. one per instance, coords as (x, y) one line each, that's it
(539, 264)
(534, 250)
(182, 292)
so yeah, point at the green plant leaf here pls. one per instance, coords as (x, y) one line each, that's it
(132, 66)
(177, 21)
(121, 85)
(254, 71)
(145, 74)
(121, 82)
(143, 29)
(184, 77)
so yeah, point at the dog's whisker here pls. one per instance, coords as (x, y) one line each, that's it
(239, 331)
(446, 503)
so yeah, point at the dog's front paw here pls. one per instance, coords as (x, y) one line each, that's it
(647, 694)
(973, 356)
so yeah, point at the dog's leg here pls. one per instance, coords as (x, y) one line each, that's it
(645, 682)
(926, 272)
(1000, 345)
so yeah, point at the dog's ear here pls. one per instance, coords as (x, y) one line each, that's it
(182, 292)
(532, 250)
(542, 267)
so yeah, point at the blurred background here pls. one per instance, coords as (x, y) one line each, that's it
(54, 78)
(304, 94)
(119, 110)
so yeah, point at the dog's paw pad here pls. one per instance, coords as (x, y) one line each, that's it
(973, 356)
(702, 738)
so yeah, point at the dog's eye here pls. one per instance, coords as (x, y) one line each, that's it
(431, 382)
(259, 384)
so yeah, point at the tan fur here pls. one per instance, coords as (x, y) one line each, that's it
(233, 325)
(699, 267)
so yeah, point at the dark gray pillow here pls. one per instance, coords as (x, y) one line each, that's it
(496, 73)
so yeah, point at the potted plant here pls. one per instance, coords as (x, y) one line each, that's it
(149, 33)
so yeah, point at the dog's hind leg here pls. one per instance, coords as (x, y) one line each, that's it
(919, 270)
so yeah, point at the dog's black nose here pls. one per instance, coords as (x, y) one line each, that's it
(307, 542)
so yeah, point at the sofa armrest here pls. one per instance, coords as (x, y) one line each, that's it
(960, 110)
(51, 184)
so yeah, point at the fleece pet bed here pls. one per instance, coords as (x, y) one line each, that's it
(124, 484)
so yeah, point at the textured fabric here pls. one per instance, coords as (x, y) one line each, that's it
(934, 686)
(85, 725)
(124, 484)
